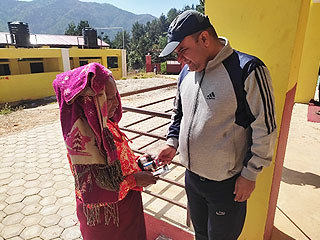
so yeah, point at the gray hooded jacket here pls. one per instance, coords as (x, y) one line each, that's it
(224, 120)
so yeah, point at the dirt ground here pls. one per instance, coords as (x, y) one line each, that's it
(41, 112)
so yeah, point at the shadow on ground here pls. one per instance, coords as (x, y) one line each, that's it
(298, 178)
(26, 104)
(278, 235)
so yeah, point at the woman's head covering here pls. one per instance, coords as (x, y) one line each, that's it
(82, 97)
(88, 80)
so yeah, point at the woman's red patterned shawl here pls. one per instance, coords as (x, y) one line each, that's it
(81, 95)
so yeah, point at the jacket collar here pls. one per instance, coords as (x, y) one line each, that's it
(225, 52)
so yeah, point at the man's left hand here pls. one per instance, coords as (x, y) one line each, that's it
(243, 189)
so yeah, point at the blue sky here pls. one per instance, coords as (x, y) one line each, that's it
(153, 7)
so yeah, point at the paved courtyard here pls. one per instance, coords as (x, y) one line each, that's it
(36, 188)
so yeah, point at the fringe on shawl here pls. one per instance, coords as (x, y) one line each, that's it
(109, 138)
(92, 213)
(106, 177)
(110, 176)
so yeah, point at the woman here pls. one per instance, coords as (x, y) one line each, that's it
(108, 180)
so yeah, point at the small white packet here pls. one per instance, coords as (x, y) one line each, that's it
(162, 170)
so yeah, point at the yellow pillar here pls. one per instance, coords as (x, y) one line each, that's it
(273, 31)
(14, 67)
(123, 63)
(76, 62)
(24, 67)
(310, 59)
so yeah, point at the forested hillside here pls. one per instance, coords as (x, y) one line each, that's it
(53, 16)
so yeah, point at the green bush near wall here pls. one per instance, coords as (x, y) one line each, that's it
(163, 68)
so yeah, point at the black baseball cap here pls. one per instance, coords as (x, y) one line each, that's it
(185, 24)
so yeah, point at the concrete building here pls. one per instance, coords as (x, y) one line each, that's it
(29, 63)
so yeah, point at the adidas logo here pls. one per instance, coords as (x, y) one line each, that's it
(211, 96)
(220, 213)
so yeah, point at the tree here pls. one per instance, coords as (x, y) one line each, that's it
(106, 39)
(172, 14)
(138, 46)
(163, 24)
(81, 25)
(74, 30)
(153, 31)
(200, 7)
(71, 29)
(187, 7)
(121, 39)
(135, 61)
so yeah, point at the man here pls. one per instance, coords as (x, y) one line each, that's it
(223, 123)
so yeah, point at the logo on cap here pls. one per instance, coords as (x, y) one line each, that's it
(185, 24)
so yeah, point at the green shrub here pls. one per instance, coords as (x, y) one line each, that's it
(163, 68)
(7, 109)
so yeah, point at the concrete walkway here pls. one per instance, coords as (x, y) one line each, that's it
(37, 190)
(298, 212)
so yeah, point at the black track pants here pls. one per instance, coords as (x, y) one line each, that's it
(214, 213)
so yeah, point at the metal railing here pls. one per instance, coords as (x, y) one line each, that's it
(155, 137)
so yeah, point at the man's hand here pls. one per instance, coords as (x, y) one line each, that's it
(166, 154)
(145, 178)
(243, 189)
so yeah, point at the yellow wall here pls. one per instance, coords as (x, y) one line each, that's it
(21, 84)
(310, 60)
(15, 53)
(269, 30)
(14, 66)
(24, 67)
(51, 64)
(26, 86)
(99, 53)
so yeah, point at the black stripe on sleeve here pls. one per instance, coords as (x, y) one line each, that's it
(272, 117)
(263, 98)
(267, 92)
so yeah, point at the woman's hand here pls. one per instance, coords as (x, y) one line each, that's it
(145, 178)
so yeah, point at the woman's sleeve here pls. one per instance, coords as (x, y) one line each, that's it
(129, 183)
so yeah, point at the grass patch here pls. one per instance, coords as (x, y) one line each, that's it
(7, 109)
(139, 75)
